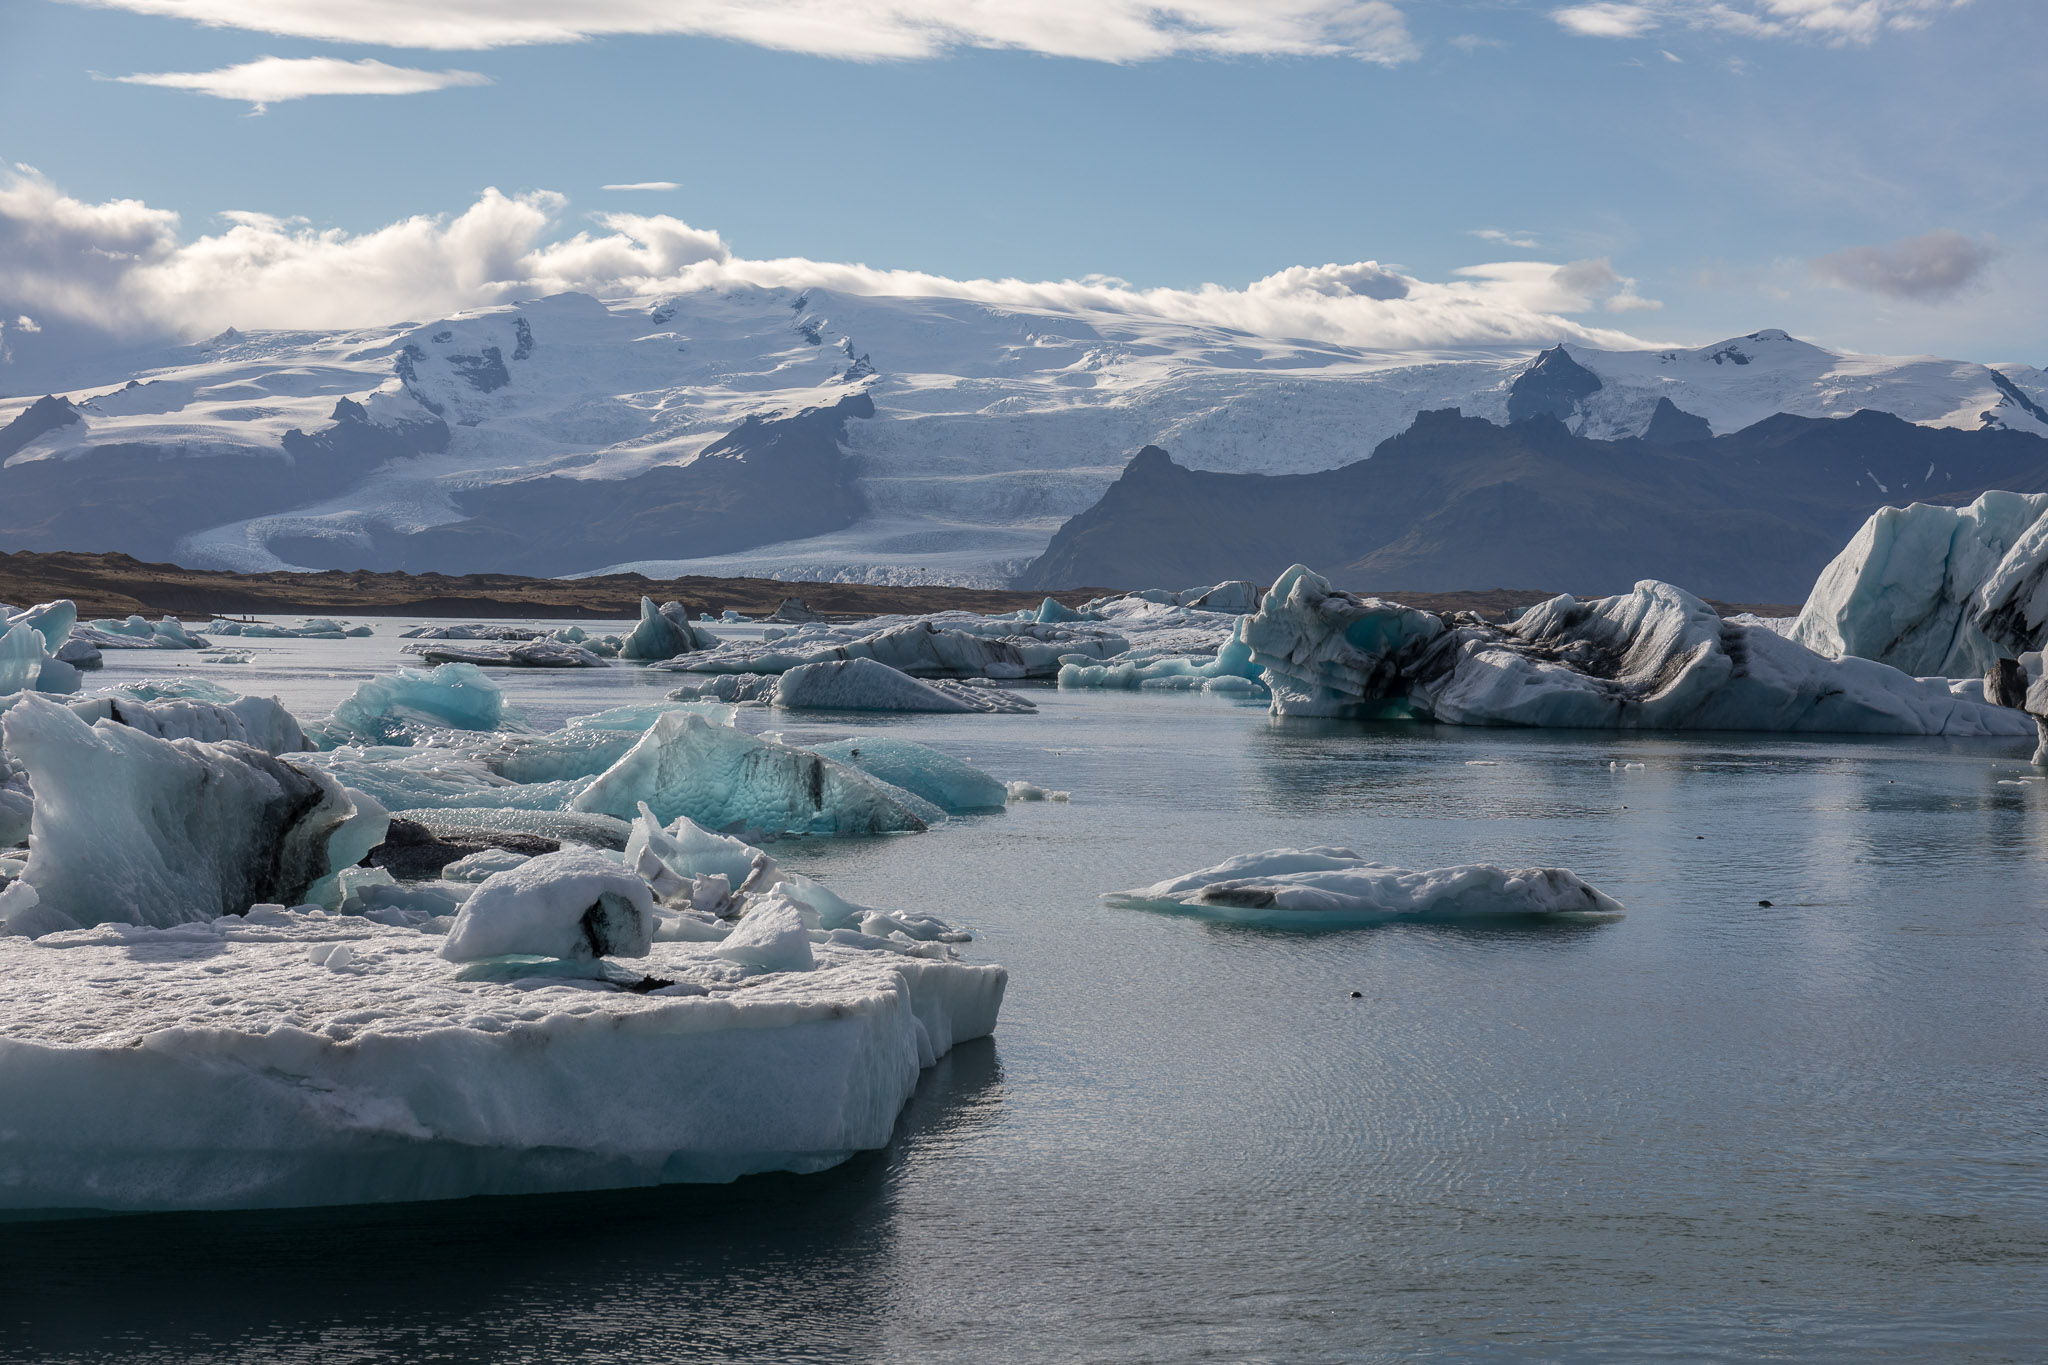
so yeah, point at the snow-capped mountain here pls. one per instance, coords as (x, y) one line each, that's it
(569, 435)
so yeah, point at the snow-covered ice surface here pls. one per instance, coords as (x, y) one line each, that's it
(993, 425)
(1449, 1163)
(1294, 888)
(237, 1064)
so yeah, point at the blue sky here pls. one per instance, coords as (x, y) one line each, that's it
(1747, 165)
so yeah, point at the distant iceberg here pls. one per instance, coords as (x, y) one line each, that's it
(1335, 888)
(1656, 658)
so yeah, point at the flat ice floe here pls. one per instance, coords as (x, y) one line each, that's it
(1298, 888)
(292, 1058)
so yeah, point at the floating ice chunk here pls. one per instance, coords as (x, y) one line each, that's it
(1331, 887)
(572, 904)
(527, 654)
(1915, 585)
(170, 633)
(258, 721)
(565, 827)
(663, 633)
(400, 707)
(736, 689)
(26, 664)
(772, 938)
(474, 867)
(637, 717)
(724, 779)
(400, 1077)
(951, 785)
(16, 804)
(1654, 658)
(1231, 668)
(1052, 612)
(685, 850)
(52, 620)
(1002, 649)
(1021, 790)
(132, 828)
(868, 685)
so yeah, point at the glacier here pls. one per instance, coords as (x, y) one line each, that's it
(1336, 888)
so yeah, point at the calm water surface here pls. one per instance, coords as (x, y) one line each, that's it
(1710, 1131)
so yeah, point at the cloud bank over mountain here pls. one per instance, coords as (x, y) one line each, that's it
(122, 271)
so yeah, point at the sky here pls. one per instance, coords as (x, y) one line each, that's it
(1419, 174)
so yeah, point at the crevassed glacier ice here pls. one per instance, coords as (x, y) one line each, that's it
(724, 779)
(141, 830)
(1914, 586)
(870, 685)
(1654, 658)
(1335, 887)
(400, 707)
(251, 1062)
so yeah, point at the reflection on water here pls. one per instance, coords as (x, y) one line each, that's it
(673, 1273)
(1713, 1130)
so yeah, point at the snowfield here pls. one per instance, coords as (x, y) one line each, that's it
(992, 426)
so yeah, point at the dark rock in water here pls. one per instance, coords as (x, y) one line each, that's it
(1552, 386)
(412, 853)
(1764, 904)
(791, 611)
(1671, 425)
(2005, 684)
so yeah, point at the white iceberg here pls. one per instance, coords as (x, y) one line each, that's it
(1654, 658)
(136, 829)
(576, 904)
(724, 779)
(494, 654)
(1916, 586)
(27, 665)
(1335, 888)
(233, 1064)
(772, 938)
(869, 685)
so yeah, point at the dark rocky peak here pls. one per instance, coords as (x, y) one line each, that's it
(2016, 396)
(1554, 385)
(227, 337)
(1731, 354)
(484, 372)
(522, 330)
(1150, 460)
(860, 369)
(1671, 425)
(45, 414)
(349, 410)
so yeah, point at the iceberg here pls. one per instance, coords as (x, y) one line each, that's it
(953, 786)
(261, 722)
(1653, 658)
(54, 621)
(1230, 669)
(575, 904)
(251, 1062)
(26, 664)
(1334, 887)
(527, 654)
(1000, 648)
(724, 779)
(1917, 586)
(663, 633)
(868, 685)
(772, 938)
(132, 828)
(402, 707)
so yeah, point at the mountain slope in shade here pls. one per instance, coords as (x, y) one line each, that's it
(470, 441)
(1458, 502)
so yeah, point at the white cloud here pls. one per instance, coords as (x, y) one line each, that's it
(1575, 287)
(120, 271)
(1472, 42)
(1521, 241)
(273, 80)
(25, 323)
(1925, 269)
(1830, 21)
(1102, 30)
(646, 185)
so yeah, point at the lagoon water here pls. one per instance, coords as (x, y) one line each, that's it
(1713, 1130)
